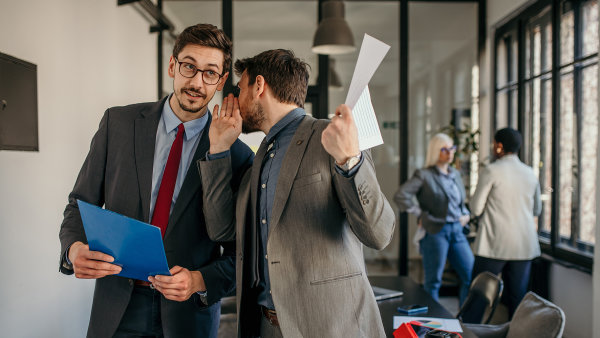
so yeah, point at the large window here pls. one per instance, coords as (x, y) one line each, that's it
(546, 83)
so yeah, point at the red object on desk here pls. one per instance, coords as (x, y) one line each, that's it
(405, 331)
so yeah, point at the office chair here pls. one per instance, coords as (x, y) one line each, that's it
(228, 323)
(534, 317)
(484, 293)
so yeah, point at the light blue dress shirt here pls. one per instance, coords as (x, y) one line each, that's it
(165, 135)
(455, 206)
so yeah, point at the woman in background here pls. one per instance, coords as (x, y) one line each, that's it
(507, 198)
(441, 213)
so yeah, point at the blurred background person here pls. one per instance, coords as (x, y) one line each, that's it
(507, 198)
(441, 213)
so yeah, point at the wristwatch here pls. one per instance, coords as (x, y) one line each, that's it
(202, 295)
(350, 163)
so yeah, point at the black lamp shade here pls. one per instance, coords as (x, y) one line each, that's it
(333, 35)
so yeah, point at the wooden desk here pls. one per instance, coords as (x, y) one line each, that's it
(413, 294)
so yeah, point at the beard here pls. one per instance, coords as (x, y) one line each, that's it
(187, 107)
(253, 119)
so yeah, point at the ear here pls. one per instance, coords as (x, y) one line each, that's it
(172, 65)
(221, 83)
(259, 86)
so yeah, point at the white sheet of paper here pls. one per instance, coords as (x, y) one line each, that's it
(369, 134)
(372, 52)
(452, 325)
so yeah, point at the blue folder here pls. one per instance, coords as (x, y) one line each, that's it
(136, 246)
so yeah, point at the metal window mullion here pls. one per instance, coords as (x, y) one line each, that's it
(520, 76)
(554, 214)
(577, 105)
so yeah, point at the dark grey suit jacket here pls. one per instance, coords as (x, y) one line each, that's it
(319, 224)
(117, 173)
(432, 197)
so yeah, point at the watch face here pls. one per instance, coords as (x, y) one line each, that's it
(352, 161)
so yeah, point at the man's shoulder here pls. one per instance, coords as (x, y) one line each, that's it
(133, 110)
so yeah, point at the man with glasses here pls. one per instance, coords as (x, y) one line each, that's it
(142, 164)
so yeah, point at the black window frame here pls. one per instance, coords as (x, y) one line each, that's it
(580, 254)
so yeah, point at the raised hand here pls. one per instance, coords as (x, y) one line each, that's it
(91, 264)
(181, 285)
(226, 125)
(340, 138)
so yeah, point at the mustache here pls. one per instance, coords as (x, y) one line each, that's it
(193, 91)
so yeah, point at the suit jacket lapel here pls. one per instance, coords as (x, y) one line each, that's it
(191, 183)
(289, 168)
(145, 126)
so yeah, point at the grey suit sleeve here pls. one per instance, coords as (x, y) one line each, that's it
(537, 201)
(479, 199)
(218, 199)
(405, 196)
(89, 187)
(368, 212)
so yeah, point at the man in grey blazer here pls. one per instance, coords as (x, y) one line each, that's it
(141, 164)
(303, 212)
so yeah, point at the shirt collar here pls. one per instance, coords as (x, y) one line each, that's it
(450, 172)
(284, 122)
(192, 128)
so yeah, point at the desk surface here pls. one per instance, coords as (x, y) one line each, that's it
(413, 294)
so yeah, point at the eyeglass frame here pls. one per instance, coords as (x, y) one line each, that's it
(196, 72)
(448, 150)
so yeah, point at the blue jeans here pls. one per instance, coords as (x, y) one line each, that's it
(449, 243)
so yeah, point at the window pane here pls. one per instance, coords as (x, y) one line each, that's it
(514, 57)
(538, 43)
(513, 121)
(528, 52)
(547, 47)
(589, 145)
(545, 165)
(501, 110)
(589, 17)
(537, 49)
(568, 157)
(567, 34)
(501, 65)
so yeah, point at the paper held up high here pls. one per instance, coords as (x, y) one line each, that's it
(372, 52)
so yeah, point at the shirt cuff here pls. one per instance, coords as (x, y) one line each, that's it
(352, 171)
(217, 156)
(67, 255)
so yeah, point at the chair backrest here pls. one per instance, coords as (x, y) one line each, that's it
(536, 317)
(484, 294)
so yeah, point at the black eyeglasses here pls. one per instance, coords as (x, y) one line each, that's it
(210, 77)
(448, 150)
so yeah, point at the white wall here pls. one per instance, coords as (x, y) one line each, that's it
(574, 291)
(90, 55)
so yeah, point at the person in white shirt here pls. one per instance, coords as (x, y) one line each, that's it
(507, 198)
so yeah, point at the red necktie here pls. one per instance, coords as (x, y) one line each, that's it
(162, 208)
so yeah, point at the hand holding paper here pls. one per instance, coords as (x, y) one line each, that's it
(340, 138)
(370, 56)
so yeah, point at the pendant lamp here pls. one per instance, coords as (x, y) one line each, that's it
(333, 35)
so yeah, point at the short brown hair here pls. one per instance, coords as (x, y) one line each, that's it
(286, 75)
(207, 35)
